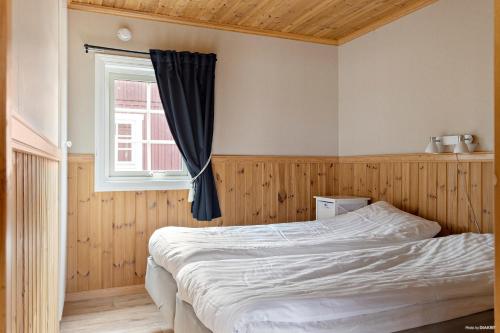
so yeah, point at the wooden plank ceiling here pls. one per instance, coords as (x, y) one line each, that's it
(321, 21)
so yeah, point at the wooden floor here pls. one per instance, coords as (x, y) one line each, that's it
(125, 314)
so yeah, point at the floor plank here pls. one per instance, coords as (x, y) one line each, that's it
(125, 314)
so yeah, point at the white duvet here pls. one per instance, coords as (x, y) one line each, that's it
(379, 224)
(367, 290)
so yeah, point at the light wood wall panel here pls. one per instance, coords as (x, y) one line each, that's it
(455, 193)
(108, 231)
(34, 247)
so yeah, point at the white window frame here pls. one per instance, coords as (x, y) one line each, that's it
(107, 68)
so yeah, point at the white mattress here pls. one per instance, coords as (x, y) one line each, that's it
(379, 224)
(342, 291)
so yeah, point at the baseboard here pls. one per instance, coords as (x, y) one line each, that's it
(102, 293)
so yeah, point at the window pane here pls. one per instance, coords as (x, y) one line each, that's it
(142, 141)
(165, 157)
(124, 155)
(130, 94)
(159, 127)
(128, 141)
(122, 145)
(124, 130)
(155, 98)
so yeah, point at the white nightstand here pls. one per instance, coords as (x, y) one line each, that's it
(327, 207)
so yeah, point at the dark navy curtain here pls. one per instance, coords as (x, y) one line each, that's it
(186, 85)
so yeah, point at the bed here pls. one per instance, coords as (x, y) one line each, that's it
(172, 248)
(385, 289)
(378, 224)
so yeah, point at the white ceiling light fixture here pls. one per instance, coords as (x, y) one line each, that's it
(124, 34)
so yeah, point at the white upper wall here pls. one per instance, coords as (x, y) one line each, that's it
(272, 96)
(429, 73)
(35, 65)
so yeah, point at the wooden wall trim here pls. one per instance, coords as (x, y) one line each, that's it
(25, 138)
(479, 156)
(444, 157)
(222, 158)
(80, 157)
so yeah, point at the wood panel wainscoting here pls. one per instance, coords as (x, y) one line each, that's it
(32, 231)
(34, 274)
(108, 231)
(436, 187)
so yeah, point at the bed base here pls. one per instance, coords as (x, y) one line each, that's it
(162, 288)
(187, 322)
(179, 315)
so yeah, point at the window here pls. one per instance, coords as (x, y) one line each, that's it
(135, 149)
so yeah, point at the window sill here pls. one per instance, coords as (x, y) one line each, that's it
(116, 185)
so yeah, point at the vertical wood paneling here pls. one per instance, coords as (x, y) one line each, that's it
(290, 186)
(463, 194)
(118, 239)
(422, 190)
(432, 191)
(405, 186)
(346, 179)
(116, 226)
(268, 208)
(34, 273)
(316, 172)
(454, 193)
(441, 213)
(414, 188)
(487, 195)
(95, 276)
(230, 195)
(373, 181)
(106, 222)
(141, 236)
(452, 197)
(386, 182)
(280, 188)
(397, 185)
(129, 248)
(257, 192)
(241, 194)
(475, 195)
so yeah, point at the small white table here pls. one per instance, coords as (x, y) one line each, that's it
(330, 206)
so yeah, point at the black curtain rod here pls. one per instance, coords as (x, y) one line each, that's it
(89, 47)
